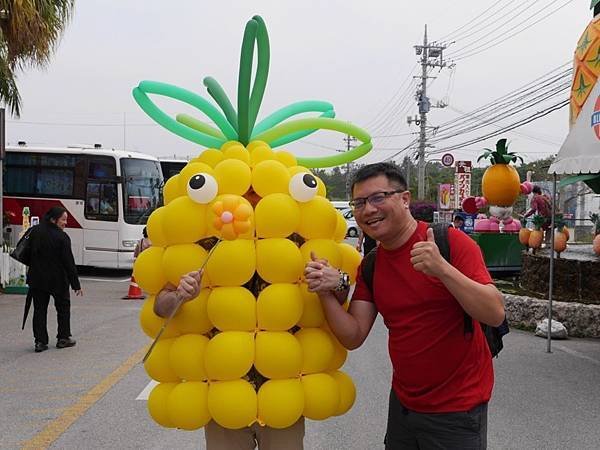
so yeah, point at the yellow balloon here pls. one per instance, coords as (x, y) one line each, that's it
(154, 227)
(147, 270)
(181, 259)
(351, 259)
(186, 357)
(210, 157)
(254, 144)
(171, 190)
(278, 261)
(317, 349)
(229, 355)
(339, 354)
(184, 221)
(158, 404)
(323, 249)
(312, 311)
(286, 158)
(341, 228)
(191, 169)
(347, 392)
(298, 169)
(277, 216)
(151, 323)
(232, 308)
(261, 153)
(157, 365)
(321, 396)
(280, 403)
(321, 188)
(232, 404)
(231, 143)
(232, 263)
(236, 151)
(187, 405)
(270, 177)
(192, 317)
(279, 307)
(317, 219)
(233, 176)
(278, 355)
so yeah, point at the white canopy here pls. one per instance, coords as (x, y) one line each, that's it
(580, 153)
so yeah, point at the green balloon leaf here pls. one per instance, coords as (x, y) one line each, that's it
(244, 79)
(289, 111)
(218, 94)
(322, 123)
(172, 125)
(198, 125)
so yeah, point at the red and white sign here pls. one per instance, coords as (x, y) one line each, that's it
(447, 160)
(462, 181)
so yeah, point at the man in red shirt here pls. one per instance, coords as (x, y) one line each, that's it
(442, 377)
(541, 206)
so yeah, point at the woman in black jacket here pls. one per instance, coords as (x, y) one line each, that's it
(51, 271)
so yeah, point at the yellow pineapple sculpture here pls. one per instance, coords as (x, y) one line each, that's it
(254, 345)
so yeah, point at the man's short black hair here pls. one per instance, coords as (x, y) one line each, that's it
(391, 171)
(536, 190)
(461, 218)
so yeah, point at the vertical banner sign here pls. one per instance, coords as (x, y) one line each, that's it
(445, 196)
(462, 181)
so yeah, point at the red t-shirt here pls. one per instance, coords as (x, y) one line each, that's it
(436, 367)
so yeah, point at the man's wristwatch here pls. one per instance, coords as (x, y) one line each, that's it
(344, 282)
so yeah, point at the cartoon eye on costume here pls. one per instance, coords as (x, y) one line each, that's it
(303, 187)
(202, 188)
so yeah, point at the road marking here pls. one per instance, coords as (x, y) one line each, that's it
(58, 426)
(105, 279)
(577, 354)
(146, 391)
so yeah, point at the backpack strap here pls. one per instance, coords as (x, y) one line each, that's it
(368, 268)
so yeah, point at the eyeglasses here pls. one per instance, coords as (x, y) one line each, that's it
(375, 199)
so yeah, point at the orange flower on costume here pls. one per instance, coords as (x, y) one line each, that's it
(233, 216)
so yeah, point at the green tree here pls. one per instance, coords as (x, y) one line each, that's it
(29, 33)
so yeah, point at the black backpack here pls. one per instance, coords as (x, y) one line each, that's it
(493, 335)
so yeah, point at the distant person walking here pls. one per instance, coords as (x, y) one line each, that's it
(142, 244)
(541, 205)
(50, 273)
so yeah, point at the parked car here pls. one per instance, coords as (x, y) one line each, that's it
(352, 227)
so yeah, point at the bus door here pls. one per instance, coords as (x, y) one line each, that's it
(101, 231)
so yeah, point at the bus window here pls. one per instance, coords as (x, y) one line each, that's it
(30, 174)
(142, 183)
(101, 202)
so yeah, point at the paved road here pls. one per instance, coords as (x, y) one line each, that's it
(85, 397)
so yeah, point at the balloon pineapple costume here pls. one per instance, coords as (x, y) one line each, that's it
(254, 345)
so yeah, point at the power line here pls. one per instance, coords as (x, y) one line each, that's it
(452, 34)
(458, 57)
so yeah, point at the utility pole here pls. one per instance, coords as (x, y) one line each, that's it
(349, 141)
(431, 56)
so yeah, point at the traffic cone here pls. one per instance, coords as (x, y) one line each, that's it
(135, 293)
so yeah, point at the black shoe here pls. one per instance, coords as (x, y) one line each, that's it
(40, 347)
(66, 342)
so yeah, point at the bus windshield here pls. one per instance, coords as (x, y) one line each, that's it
(142, 183)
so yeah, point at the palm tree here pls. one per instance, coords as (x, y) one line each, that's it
(29, 33)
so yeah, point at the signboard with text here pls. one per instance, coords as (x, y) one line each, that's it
(462, 181)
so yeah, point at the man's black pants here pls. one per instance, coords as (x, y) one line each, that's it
(454, 431)
(41, 299)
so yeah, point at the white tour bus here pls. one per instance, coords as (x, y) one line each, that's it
(107, 193)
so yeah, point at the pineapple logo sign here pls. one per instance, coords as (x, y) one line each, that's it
(596, 118)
